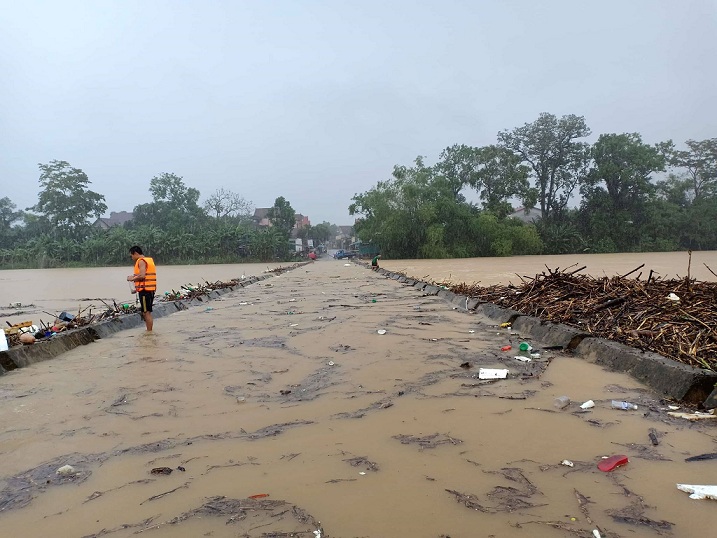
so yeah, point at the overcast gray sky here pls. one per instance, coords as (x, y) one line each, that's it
(317, 100)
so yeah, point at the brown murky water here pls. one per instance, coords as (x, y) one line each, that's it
(285, 388)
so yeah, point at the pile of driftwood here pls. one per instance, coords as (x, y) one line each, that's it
(674, 317)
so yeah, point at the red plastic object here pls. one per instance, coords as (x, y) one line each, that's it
(612, 462)
(259, 496)
(505, 348)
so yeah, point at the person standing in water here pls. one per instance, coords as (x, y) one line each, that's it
(145, 283)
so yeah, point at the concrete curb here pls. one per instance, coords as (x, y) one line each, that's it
(22, 356)
(664, 375)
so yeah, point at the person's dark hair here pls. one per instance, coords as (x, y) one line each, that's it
(136, 250)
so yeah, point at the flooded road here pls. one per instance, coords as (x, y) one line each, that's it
(286, 389)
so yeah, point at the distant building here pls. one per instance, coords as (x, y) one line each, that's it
(345, 236)
(261, 218)
(116, 218)
(302, 221)
(527, 215)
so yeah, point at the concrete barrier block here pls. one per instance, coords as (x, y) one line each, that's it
(664, 375)
(461, 301)
(549, 333)
(430, 289)
(497, 313)
(473, 303)
(446, 295)
(22, 356)
(420, 285)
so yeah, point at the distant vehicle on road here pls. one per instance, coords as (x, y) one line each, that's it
(343, 254)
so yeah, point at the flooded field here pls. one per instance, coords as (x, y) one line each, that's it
(279, 410)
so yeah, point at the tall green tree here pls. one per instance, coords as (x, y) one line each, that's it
(66, 200)
(457, 164)
(174, 205)
(282, 216)
(699, 166)
(617, 190)
(8, 217)
(558, 160)
(500, 176)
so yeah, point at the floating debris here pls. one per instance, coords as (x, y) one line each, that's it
(674, 317)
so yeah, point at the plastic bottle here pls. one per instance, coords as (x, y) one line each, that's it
(561, 402)
(3, 341)
(623, 405)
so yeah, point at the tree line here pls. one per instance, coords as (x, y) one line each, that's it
(173, 227)
(618, 194)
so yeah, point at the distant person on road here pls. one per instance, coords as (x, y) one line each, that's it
(145, 283)
(312, 255)
(374, 262)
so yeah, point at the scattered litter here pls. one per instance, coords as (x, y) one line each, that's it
(673, 297)
(471, 331)
(331, 363)
(587, 405)
(699, 492)
(241, 399)
(525, 346)
(492, 373)
(161, 470)
(317, 533)
(535, 355)
(362, 473)
(596, 533)
(208, 309)
(561, 402)
(673, 407)
(347, 265)
(180, 468)
(608, 464)
(258, 496)
(623, 405)
(521, 358)
(466, 365)
(653, 437)
(66, 470)
(506, 348)
(567, 463)
(243, 304)
(504, 325)
(381, 331)
(697, 415)
(703, 457)
(294, 325)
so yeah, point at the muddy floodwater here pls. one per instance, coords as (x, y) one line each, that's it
(279, 410)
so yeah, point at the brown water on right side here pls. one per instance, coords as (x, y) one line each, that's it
(285, 388)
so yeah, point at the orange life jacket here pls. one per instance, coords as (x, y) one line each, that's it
(150, 277)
